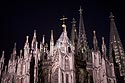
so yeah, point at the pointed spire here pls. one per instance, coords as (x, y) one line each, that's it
(21, 53)
(95, 42)
(73, 31)
(27, 37)
(116, 47)
(81, 35)
(34, 33)
(51, 35)
(64, 25)
(51, 43)
(14, 49)
(26, 43)
(103, 48)
(103, 42)
(2, 54)
(34, 41)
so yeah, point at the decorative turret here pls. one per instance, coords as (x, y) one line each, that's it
(34, 41)
(26, 47)
(116, 52)
(103, 48)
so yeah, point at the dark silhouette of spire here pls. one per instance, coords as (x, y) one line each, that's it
(73, 31)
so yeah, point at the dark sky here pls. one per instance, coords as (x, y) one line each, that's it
(20, 18)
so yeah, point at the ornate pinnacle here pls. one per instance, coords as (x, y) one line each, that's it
(43, 41)
(34, 33)
(73, 22)
(94, 32)
(103, 42)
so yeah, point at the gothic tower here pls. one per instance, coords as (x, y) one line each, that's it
(83, 56)
(96, 60)
(117, 55)
(63, 70)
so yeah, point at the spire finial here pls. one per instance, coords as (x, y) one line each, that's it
(27, 37)
(95, 43)
(52, 35)
(14, 49)
(3, 53)
(15, 45)
(111, 16)
(63, 25)
(21, 53)
(94, 32)
(80, 10)
(73, 22)
(43, 41)
(34, 33)
(103, 41)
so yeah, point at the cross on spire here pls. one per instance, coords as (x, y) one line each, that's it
(80, 10)
(111, 16)
(63, 25)
(63, 19)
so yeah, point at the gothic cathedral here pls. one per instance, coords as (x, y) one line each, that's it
(68, 60)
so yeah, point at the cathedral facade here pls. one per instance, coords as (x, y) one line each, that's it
(68, 60)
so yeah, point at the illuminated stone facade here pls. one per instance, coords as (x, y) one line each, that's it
(69, 60)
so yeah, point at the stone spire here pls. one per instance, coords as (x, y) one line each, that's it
(116, 47)
(27, 42)
(2, 55)
(26, 47)
(13, 55)
(95, 42)
(81, 35)
(51, 43)
(73, 31)
(103, 48)
(34, 41)
(43, 40)
(14, 49)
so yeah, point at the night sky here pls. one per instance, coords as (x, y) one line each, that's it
(20, 18)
